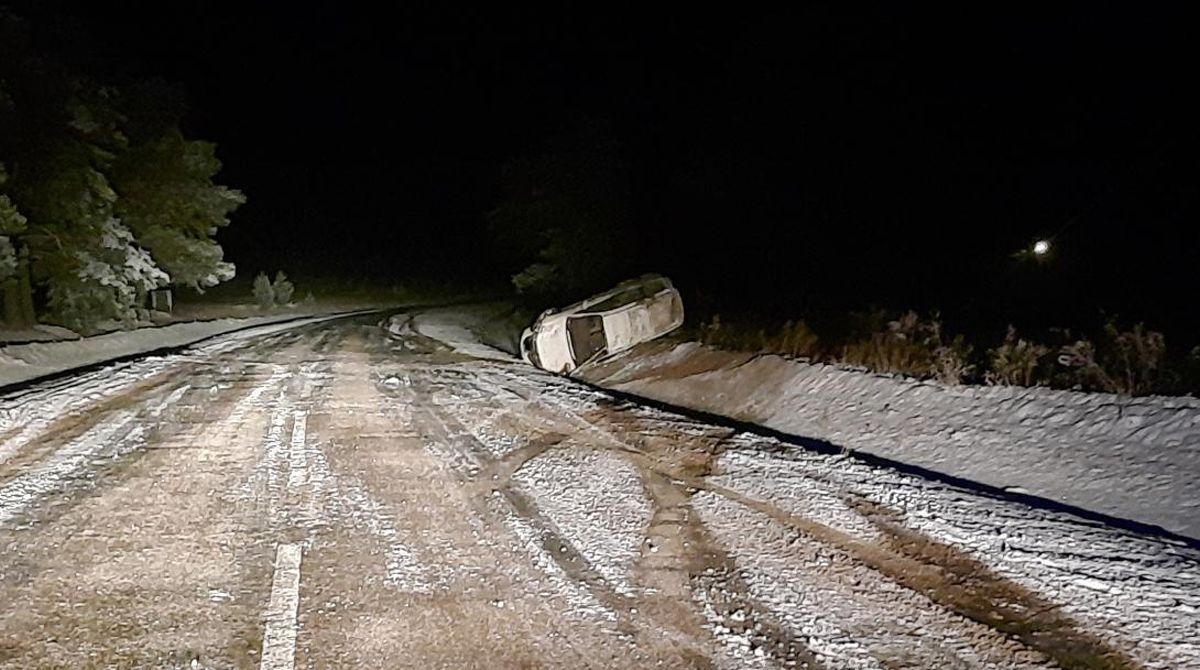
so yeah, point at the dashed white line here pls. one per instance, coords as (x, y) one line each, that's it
(279, 640)
(298, 458)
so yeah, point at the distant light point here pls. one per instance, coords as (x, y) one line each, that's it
(1041, 247)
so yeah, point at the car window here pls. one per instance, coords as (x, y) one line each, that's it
(530, 347)
(587, 337)
(632, 294)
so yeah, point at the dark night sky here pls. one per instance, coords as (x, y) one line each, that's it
(838, 156)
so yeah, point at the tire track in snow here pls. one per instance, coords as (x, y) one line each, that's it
(63, 413)
(823, 636)
(302, 492)
(567, 568)
(30, 414)
(745, 633)
(572, 550)
(568, 398)
(107, 441)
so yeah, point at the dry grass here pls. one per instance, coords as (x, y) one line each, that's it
(1016, 362)
(914, 347)
(794, 339)
(1126, 362)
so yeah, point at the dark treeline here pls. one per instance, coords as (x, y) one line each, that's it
(802, 163)
(575, 218)
(577, 213)
(102, 197)
(823, 160)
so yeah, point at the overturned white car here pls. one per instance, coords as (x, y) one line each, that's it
(633, 311)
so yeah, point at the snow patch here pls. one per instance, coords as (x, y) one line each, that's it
(595, 501)
(108, 440)
(23, 362)
(1133, 458)
(834, 604)
(1136, 589)
(452, 328)
(583, 606)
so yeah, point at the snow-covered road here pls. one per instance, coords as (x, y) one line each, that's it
(346, 494)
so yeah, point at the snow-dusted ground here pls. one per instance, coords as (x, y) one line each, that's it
(455, 510)
(1132, 458)
(1137, 593)
(566, 486)
(38, 333)
(1141, 592)
(25, 413)
(453, 328)
(23, 362)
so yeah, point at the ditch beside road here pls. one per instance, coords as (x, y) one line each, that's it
(339, 495)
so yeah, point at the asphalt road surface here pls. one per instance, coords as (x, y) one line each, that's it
(344, 495)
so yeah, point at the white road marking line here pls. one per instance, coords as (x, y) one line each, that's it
(279, 639)
(298, 459)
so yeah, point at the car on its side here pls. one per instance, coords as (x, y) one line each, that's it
(634, 311)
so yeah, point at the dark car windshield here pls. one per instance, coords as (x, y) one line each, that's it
(528, 346)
